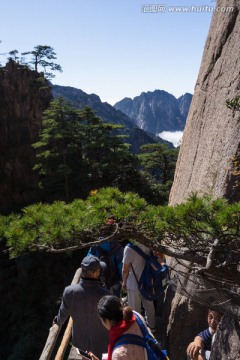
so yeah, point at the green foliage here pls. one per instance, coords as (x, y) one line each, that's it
(158, 162)
(4, 223)
(58, 148)
(198, 222)
(193, 225)
(14, 55)
(234, 104)
(107, 158)
(41, 56)
(77, 152)
(123, 206)
(62, 225)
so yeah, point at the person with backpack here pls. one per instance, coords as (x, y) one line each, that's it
(80, 302)
(111, 253)
(133, 266)
(128, 333)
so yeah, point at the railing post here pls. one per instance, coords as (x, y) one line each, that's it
(54, 332)
(65, 340)
(50, 343)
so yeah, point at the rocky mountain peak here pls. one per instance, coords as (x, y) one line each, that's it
(184, 102)
(156, 111)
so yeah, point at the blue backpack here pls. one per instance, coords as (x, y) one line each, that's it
(112, 254)
(154, 351)
(153, 279)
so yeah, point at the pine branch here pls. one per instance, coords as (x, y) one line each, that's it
(81, 245)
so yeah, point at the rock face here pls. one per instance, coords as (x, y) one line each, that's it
(184, 103)
(157, 111)
(209, 159)
(228, 336)
(23, 97)
(211, 137)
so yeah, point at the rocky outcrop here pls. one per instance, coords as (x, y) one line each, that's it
(228, 336)
(209, 159)
(184, 103)
(210, 145)
(157, 111)
(23, 97)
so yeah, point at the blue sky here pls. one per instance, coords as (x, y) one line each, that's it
(113, 48)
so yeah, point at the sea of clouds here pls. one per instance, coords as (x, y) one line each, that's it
(172, 136)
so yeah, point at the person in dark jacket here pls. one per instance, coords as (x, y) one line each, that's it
(80, 302)
(112, 253)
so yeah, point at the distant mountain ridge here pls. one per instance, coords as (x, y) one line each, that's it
(157, 111)
(104, 110)
(136, 136)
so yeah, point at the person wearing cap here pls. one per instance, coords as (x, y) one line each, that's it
(80, 302)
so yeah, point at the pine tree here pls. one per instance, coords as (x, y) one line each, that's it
(158, 163)
(59, 147)
(105, 154)
(77, 152)
(41, 56)
(159, 160)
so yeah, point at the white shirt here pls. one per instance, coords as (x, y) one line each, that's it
(130, 256)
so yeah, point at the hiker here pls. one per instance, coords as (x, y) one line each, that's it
(133, 265)
(80, 302)
(119, 320)
(200, 348)
(112, 254)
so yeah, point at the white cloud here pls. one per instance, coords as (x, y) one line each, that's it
(172, 136)
(111, 101)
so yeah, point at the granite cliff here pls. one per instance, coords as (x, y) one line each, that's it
(23, 97)
(210, 143)
(208, 162)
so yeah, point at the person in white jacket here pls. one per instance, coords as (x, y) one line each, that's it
(135, 300)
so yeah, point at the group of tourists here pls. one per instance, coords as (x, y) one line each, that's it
(96, 309)
(102, 324)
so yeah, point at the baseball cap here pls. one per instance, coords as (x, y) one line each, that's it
(92, 263)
